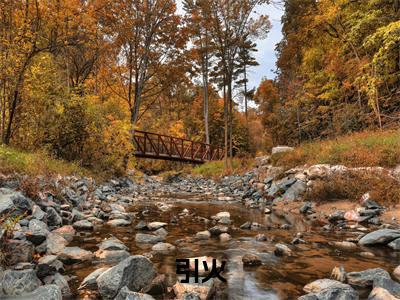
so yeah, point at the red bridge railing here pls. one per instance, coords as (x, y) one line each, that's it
(159, 146)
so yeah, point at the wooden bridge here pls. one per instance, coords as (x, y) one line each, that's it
(158, 146)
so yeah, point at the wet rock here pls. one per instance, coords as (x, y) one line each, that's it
(367, 277)
(48, 265)
(246, 225)
(112, 244)
(67, 232)
(395, 245)
(83, 225)
(163, 248)
(201, 270)
(118, 222)
(156, 225)
(338, 274)
(20, 282)
(379, 293)
(218, 229)
(344, 245)
(367, 254)
(203, 235)
(250, 259)
(282, 250)
(194, 291)
(381, 236)
(55, 243)
(225, 237)
(53, 218)
(322, 284)
(143, 238)
(18, 251)
(261, 237)
(71, 255)
(89, 282)
(135, 272)
(60, 281)
(332, 294)
(111, 256)
(141, 225)
(336, 216)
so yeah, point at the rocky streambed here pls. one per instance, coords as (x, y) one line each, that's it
(121, 239)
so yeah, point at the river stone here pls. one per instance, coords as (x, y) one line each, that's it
(55, 243)
(111, 256)
(332, 294)
(223, 214)
(225, 237)
(71, 255)
(379, 293)
(67, 232)
(194, 291)
(141, 225)
(135, 272)
(321, 284)
(261, 237)
(60, 281)
(14, 202)
(381, 236)
(388, 284)
(38, 213)
(161, 232)
(164, 248)
(48, 265)
(18, 251)
(37, 233)
(89, 282)
(83, 225)
(53, 218)
(158, 286)
(396, 273)
(156, 225)
(126, 294)
(282, 250)
(344, 245)
(395, 245)
(203, 235)
(367, 277)
(250, 259)
(20, 282)
(218, 229)
(143, 238)
(112, 244)
(118, 222)
(47, 292)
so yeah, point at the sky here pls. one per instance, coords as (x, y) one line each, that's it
(265, 56)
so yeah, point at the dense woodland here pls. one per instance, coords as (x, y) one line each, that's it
(78, 76)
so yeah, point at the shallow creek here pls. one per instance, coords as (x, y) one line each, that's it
(277, 278)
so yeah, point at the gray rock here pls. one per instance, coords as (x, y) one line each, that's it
(89, 282)
(395, 245)
(295, 191)
(322, 284)
(111, 256)
(14, 202)
(135, 272)
(203, 235)
(118, 222)
(156, 225)
(48, 265)
(282, 250)
(379, 293)
(20, 282)
(126, 294)
(112, 244)
(367, 277)
(163, 248)
(141, 225)
(53, 218)
(218, 229)
(55, 243)
(18, 251)
(143, 238)
(47, 292)
(73, 255)
(67, 232)
(38, 232)
(38, 213)
(60, 281)
(388, 284)
(83, 225)
(334, 293)
(77, 215)
(161, 232)
(381, 236)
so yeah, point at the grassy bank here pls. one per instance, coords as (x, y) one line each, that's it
(39, 163)
(380, 148)
(215, 169)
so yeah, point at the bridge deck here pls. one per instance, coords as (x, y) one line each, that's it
(159, 146)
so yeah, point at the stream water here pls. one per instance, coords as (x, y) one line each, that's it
(277, 278)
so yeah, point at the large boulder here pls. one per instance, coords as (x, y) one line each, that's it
(20, 282)
(367, 277)
(379, 237)
(135, 272)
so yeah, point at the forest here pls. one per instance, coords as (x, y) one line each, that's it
(78, 77)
